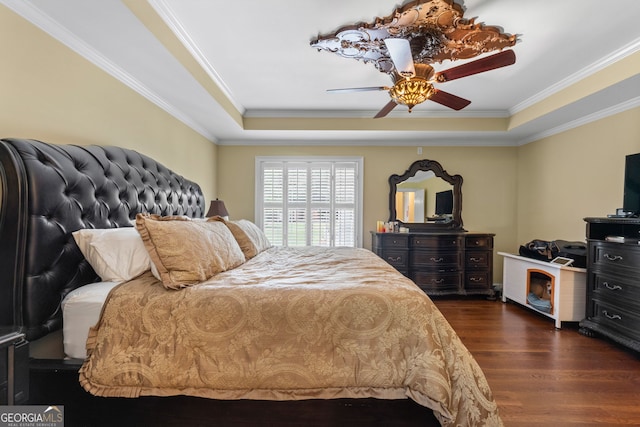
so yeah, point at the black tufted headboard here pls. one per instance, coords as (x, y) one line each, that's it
(47, 192)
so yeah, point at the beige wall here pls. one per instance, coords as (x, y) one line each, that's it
(572, 175)
(488, 189)
(52, 94)
(540, 190)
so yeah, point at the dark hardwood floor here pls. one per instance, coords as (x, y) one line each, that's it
(543, 376)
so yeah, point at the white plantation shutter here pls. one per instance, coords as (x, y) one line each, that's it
(273, 192)
(345, 202)
(320, 225)
(310, 201)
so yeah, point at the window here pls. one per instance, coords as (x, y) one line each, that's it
(315, 201)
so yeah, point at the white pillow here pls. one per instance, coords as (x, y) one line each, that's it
(116, 254)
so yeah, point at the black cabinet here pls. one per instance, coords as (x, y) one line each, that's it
(449, 263)
(14, 367)
(613, 280)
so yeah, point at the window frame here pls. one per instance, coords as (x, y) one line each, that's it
(359, 165)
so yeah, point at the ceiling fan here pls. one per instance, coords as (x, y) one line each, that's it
(414, 83)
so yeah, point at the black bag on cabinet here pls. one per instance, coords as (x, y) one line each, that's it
(577, 251)
(543, 250)
(546, 250)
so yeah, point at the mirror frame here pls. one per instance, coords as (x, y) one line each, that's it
(438, 170)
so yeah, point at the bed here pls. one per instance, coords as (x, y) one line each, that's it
(323, 335)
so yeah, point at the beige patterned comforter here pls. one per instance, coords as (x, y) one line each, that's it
(292, 323)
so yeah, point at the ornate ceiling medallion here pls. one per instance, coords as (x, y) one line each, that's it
(435, 29)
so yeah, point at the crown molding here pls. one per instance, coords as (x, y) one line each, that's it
(445, 141)
(368, 114)
(603, 63)
(619, 108)
(164, 10)
(50, 26)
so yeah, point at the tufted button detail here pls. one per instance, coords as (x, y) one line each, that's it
(86, 187)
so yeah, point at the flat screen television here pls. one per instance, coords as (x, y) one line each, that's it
(631, 202)
(444, 202)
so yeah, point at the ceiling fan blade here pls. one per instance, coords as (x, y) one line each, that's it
(358, 89)
(502, 59)
(385, 110)
(400, 52)
(449, 100)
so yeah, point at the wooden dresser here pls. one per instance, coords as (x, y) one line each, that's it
(613, 280)
(441, 263)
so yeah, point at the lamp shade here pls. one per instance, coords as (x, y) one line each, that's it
(217, 208)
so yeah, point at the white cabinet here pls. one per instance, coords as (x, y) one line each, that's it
(556, 291)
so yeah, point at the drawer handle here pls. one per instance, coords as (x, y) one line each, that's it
(474, 259)
(476, 279)
(436, 259)
(394, 259)
(612, 287)
(437, 281)
(477, 243)
(613, 257)
(611, 316)
(395, 242)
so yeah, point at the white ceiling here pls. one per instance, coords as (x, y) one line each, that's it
(244, 72)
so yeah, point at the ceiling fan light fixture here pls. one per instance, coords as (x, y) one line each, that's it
(416, 35)
(411, 92)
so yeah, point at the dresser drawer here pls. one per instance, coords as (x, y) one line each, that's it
(396, 257)
(622, 320)
(475, 280)
(477, 259)
(393, 241)
(609, 287)
(436, 242)
(438, 283)
(614, 256)
(484, 242)
(436, 260)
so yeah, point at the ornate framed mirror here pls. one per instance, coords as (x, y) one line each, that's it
(426, 198)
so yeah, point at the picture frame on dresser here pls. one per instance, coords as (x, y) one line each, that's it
(613, 280)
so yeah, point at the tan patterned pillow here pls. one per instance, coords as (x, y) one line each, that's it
(254, 233)
(247, 246)
(187, 252)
